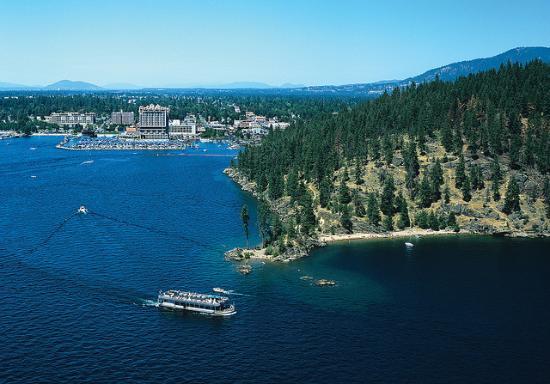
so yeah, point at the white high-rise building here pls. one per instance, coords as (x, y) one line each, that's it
(153, 122)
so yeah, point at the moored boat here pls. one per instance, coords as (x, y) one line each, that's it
(215, 305)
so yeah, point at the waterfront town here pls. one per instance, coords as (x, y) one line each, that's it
(153, 127)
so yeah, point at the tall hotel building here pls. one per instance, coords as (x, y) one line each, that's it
(153, 122)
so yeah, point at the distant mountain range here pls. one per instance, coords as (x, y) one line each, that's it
(446, 73)
(68, 85)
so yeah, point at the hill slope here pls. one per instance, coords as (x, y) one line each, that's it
(470, 155)
(453, 71)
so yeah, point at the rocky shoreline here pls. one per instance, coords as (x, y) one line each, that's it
(322, 239)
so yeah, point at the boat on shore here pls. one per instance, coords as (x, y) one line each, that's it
(214, 305)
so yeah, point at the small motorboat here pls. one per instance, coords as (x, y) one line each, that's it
(409, 245)
(82, 210)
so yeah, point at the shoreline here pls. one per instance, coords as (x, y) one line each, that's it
(323, 239)
(412, 232)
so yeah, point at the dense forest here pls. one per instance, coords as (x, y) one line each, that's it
(427, 148)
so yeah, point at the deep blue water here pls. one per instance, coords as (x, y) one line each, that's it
(75, 290)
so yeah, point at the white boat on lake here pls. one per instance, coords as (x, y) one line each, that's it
(215, 305)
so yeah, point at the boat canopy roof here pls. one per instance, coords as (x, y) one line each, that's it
(193, 296)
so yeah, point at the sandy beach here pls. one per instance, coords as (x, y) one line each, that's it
(365, 236)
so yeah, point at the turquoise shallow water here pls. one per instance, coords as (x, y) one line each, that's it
(75, 291)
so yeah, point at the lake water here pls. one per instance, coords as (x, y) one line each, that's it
(76, 291)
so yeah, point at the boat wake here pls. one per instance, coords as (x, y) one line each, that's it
(148, 303)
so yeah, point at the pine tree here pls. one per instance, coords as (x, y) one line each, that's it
(422, 220)
(466, 189)
(425, 193)
(358, 174)
(412, 167)
(245, 217)
(447, 194)
(403, 221)
(433, 221)
(437, 173)
(276, 186)
(451, 222)
(546, 194)
(345, 219)
(358, 204)
(344, 196)
(292, 184)
(387, 148)
(388, 223)
(373, 209)
(511, 200)
(447, 136)
(324, 192)
(386, 200)
(496, 179)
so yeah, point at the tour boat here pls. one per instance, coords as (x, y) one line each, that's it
(215, 305)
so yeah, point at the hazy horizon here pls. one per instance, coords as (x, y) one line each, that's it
(209, 43)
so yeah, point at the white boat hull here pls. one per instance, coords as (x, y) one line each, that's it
(227, 312)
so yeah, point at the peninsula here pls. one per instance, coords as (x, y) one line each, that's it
(469, 156)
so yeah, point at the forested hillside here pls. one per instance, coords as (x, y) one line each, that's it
(471, 154)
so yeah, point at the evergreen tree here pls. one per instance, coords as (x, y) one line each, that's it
(447, 194)
(425, 193)
(388, 223)
(466, 189)
(433, 221)
(437, 173)
(386, 200)
(422, 219)
(373, 209)
(345, 219)
(245, 217)
(403, 221)
(451, 222)
(496, 179)
(264, 222)
(276, 186)
(511, 200)
(447, 136)
(358, 173)
(375, 148)
(387, 148)
(546, 194)
(324, 192)
(344, 196)
(476, 178)
(292, 184)
(358, 204)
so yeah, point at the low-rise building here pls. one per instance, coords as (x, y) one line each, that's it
(122, 118)
(71, 118)
(183, 128)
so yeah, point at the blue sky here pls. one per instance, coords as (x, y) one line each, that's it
(178, 43)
